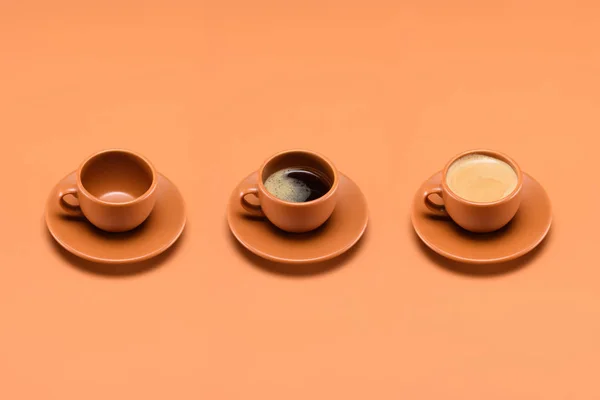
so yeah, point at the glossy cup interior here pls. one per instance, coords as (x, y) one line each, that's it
(117, 176)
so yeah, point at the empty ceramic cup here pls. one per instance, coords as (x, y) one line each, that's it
(115, 190)
(296, 189)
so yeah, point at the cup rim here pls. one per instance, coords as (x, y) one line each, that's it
(491, 153)
(321, 199)
(138, 199)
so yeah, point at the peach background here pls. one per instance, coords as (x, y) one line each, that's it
(389, 91)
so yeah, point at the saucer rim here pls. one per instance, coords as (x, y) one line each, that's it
(114, 261)
(486, 261)
(313, 260)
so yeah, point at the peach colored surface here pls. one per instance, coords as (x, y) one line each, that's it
(389, 91)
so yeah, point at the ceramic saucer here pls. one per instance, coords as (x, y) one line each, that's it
(526, 230)
(341, 231)
(162, 228)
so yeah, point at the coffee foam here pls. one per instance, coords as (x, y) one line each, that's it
(286, 188)
(481, 178)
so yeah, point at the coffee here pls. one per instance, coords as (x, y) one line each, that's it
(297, 185)
(481, 178)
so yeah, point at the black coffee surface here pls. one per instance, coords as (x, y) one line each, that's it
(297, 185)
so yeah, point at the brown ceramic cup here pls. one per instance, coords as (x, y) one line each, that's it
(472, 216)
(288, 216)
(115, 190)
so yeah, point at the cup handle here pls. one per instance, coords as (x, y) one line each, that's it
(440, 210)
(251, 208)
(68, 208)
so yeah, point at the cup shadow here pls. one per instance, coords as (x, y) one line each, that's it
(506, 230)
(114, 270)
(481, 270)
(298, 270)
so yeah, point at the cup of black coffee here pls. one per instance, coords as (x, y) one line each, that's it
(296, 190)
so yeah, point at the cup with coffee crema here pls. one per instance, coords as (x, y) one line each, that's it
(480, 189)
(296, 189)
(115, 189)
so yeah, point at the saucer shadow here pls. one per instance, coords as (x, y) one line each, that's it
(298, 270)
(114, 270)
(481, 270)
(321, 231)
